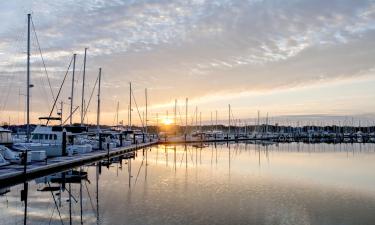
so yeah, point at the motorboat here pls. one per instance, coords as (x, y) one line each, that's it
(13, 156)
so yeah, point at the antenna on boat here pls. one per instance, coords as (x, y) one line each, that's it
(83, 88)
(72, 91)
(98, 110)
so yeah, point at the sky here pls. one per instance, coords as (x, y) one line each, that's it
(304, 59)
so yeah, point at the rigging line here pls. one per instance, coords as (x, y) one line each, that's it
(18, 48)
(10, 86)
(41, 82)
(58, 94)
(41, 56)
(92, 92)
(192, 118)
(12, 64)
(139, 170)
(139, 114)
(57, 207)
(71, 115)
(88, 193)
(50, 218)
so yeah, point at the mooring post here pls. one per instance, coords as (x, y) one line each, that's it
(64, 153)
(108, 154)
(100, 142)
(143, 137)
(121, 140)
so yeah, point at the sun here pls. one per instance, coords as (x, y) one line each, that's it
(167, 121)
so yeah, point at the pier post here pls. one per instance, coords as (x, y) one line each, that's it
(100, 142)
(133, 138)
(121, 140)
(143, 137)
(108, 154)
(64, 153)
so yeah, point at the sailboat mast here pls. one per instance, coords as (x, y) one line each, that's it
(83, 88)
(216, 120)
(98, 110)
(146, 110)
(157, 124)
(196, 118)
(212, 123)
(130, 105)
(186, 116)
(175, 113)
(229, 118)
(28, 80)
(117, 108)
(200, 121)
(72, 91)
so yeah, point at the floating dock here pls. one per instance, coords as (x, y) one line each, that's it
(14, 174)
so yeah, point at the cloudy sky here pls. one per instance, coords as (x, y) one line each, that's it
(287, 58)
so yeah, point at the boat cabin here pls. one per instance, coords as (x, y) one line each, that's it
(5, 137)
(47, 134)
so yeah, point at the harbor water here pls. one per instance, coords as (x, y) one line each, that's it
(237, 183)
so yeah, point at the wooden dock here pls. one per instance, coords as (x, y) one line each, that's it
(14, 174)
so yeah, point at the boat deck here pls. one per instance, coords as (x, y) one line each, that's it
(13, 173)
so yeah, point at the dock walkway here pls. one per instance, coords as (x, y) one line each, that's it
(13, 173)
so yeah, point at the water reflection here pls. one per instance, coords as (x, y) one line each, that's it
(240, 183)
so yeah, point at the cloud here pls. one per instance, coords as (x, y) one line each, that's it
(192, 48)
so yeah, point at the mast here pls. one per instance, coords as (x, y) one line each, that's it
(98, 110)
(146, 110)
(130, 105)
(200, 121)
(229, 118)
(186, 116)
(216, 121)
(267, 123)
(28, 80)
(83, 88)
(212, 123)
(175, 112)
(61, 112)
(196, 118)
(157, 124)
(72, 91)
(25, 184)
(117, 108)
(258, 122)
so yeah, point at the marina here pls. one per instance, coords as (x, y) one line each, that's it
(196, 112)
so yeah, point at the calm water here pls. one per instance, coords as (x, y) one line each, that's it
(237, 184)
